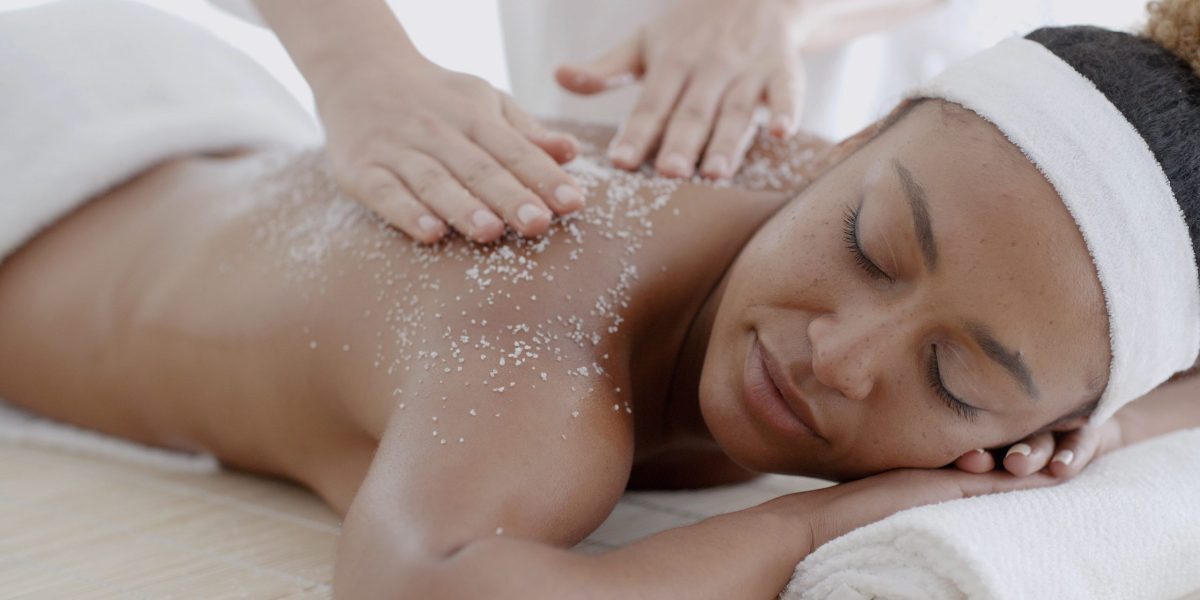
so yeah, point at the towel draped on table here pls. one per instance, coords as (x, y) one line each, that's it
(96, 91)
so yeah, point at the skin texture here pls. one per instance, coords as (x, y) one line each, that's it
(172, 319)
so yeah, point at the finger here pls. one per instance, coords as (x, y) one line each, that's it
(1029, 455)
(562, 147)
(534, 171)
(785, 90)
(1074, 451)
(1000, 481)
(494, 183)
(644, 126)
(690, 124)
(734, 131)
(976, 461)
(436, 188)
(379, 189)
(618, 67)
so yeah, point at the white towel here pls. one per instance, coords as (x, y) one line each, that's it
(94, 92)
(1128, 527)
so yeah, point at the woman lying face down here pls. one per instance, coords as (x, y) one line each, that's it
(476, 410)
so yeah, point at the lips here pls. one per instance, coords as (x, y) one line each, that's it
(791, 396)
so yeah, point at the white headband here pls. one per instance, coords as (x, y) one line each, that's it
(1115, 189)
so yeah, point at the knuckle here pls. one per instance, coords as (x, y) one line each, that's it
(692, 113)
(477, 171)
(426, 181)
(737, 106)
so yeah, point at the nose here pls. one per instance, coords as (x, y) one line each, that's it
(848, 351)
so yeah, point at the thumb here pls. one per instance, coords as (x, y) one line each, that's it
(618, 67)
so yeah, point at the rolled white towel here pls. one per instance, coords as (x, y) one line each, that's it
(1128, 527)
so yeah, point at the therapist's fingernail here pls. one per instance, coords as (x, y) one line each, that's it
(1064, 456)
(429, 224)
(622, 153)
(675, 164)
(570, 197)
(1022, 449)
(484, 218)
(980, 450)
(620, 80)
(528, 213)
(716, 166)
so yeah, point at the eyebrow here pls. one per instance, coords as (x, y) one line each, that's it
(1010, 360)
(919, 204)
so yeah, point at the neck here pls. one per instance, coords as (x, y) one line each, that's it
(669, 411)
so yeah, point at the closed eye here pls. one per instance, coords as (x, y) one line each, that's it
(934, 378)
(850, 237)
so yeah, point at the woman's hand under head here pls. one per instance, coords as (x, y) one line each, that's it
(928, 296)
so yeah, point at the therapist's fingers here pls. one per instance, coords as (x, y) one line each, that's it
(618, 67)
(490, 178)
(562, 147)
(536, 172)
(785, 91)
(644, 127)
(438, 189)
(734, 129)
(976, 461)
(1029, 455)
(691, 123)
(381, 191)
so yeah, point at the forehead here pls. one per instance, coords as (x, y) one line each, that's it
(1010, 254)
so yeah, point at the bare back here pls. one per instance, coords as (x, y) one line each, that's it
(240, 306)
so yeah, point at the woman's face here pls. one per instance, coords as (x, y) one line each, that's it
(972, 318)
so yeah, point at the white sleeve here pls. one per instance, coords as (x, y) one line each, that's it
(243, 9)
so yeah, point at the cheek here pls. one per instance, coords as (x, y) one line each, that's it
(906, 436)
(794, 259)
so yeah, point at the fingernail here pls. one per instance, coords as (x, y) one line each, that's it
(1023, 449)
(716, 165)
(528, 213)
(623, 153)
(676, 164)
(1064, 456)
(619, 80)
(429, 224)
(980, 450)
(483, 218)
(570, 197)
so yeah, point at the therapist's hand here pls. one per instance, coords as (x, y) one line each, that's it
(425, 147)
(705, 65)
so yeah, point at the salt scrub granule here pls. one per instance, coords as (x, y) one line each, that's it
(419, 291)
(471, 412)
(499, 531)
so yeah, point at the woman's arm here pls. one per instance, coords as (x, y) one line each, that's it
(746, 554)
(1170, 407)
